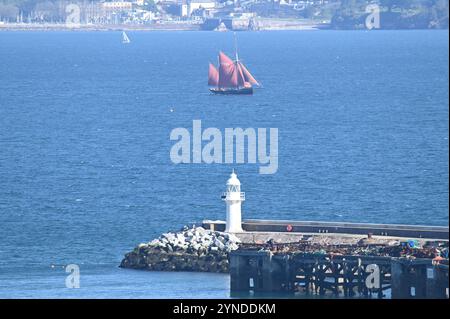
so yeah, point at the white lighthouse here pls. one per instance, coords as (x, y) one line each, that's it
(233, 198)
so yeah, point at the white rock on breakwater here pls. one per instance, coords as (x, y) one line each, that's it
(196, 240)
(191, 249)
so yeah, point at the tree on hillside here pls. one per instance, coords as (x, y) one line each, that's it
(8, 12)
(391, 4)
(46, 11)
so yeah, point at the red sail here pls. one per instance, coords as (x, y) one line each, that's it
(247, 75)
(240, 75)
(213, 76)
(223, 58)
(228, 75)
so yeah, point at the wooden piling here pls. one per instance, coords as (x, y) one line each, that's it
(437, 281)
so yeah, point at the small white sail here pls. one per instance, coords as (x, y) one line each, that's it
(221, 27)
(125, 38)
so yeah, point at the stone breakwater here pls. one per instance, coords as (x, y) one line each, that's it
(191, 249)
(199, 249)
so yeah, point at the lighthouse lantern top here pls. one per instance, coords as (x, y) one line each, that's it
(233, 192)
(233, 180)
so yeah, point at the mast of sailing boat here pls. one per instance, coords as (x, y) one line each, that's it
(236, 63)
(236, 48)
(248, 78)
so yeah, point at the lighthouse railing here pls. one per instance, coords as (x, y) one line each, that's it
(233, 196)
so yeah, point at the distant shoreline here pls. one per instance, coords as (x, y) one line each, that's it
(86, 27)
(172, 27)
(152, 27)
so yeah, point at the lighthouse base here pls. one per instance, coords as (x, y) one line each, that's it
(234, 230)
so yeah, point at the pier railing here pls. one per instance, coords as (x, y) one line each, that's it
(233, 196)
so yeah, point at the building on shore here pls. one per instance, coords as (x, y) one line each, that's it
(190, 8)
(117, 6)
(201, 5)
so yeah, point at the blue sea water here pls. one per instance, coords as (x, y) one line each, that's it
(85, 172)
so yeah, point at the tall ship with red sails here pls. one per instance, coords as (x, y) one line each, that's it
(231, 77)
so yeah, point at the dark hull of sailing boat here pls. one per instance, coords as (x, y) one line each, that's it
(240, 91)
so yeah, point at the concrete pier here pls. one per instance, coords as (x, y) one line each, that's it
(298, 271)
(264, 271)
(314, 227)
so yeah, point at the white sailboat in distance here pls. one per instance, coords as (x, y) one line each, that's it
(125, 38)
